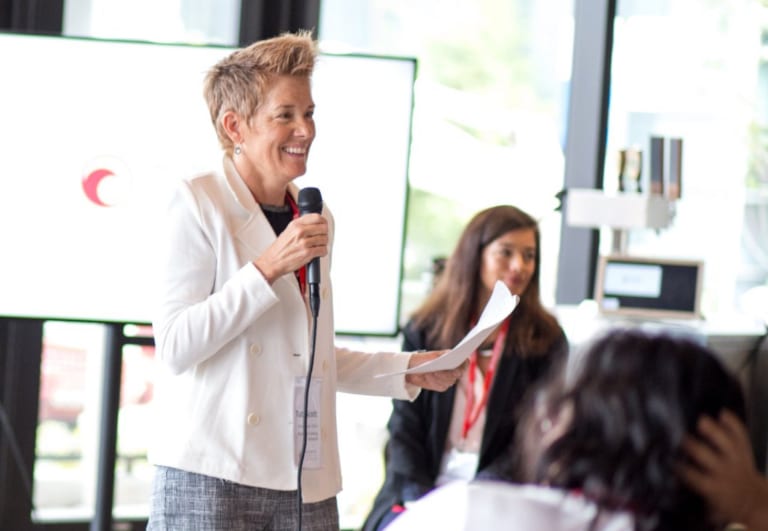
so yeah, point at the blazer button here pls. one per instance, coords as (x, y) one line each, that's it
(253, 419)
(325, 365)
(324, 294)
(255, 349)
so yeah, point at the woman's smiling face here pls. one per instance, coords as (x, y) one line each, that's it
(281, 132)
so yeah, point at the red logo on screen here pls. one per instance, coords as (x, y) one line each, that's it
(105, 182)
(91, 184)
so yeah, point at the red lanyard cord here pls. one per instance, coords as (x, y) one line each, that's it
(301, 273)
(475, 407)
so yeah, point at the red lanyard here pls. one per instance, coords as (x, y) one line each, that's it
(301, 273)
(474, 407)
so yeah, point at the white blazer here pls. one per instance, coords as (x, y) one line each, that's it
(230, 347)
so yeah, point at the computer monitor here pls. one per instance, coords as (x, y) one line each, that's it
(647, 287)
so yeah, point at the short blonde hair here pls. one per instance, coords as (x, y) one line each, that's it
(238, 82)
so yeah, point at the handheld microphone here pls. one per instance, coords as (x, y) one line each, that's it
(311, 202)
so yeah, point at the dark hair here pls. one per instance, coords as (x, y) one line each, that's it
(449, 309)
(634, 398)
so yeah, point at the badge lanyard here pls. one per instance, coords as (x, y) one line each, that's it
(301, 273)
(474, 407)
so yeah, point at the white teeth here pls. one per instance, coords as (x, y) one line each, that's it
(295, 150)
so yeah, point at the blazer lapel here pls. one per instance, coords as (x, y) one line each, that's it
(252, 229)
(254, 232)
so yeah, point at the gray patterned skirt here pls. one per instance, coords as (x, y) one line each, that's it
(184, 501)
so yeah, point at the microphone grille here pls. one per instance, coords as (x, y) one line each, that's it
(310, 200)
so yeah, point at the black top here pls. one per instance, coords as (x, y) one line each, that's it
(278, 216)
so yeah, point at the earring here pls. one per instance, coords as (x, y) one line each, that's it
(238, 150)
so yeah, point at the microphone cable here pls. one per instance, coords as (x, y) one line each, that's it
(304, 417)
(17, 457)
(310, 201)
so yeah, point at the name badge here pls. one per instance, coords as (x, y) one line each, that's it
(458, 465)
(313, 453)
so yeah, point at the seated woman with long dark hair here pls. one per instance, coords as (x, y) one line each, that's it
(603, 445)
(457, 434)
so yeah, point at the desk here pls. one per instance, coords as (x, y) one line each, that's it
(740, 343)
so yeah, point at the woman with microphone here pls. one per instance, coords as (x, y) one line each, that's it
(246, 434)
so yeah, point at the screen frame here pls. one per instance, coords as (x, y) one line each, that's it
(367, 173)
(652, 313)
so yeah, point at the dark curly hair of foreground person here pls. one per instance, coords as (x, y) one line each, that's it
(619, 423)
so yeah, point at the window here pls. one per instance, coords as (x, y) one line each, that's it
(698, 70)
(66, 453)
(177, 21)
(68, 421)
(489, 114)
(488, 128)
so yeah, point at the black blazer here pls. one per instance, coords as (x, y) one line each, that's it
(418, 430)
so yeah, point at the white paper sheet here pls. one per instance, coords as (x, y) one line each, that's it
(498, 307)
